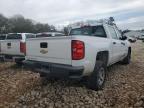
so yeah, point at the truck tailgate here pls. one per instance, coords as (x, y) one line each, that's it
(11, 47)
(51, 49)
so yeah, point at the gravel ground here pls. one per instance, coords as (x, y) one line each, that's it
(124, 88)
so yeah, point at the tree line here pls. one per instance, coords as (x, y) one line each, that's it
(19, 24)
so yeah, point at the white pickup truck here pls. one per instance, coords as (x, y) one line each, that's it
(86, 52)
(13, 47)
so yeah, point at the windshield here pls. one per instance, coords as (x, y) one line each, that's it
(97, 31)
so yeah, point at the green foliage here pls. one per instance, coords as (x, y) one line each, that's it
(19, 24)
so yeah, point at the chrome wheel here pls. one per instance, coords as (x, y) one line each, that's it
(101, 76)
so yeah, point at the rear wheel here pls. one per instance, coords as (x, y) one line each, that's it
(97, 78)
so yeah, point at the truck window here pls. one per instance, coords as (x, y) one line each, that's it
(81, 31)
(14, 36)
(113, 33)
(119, 34)
(43, 35)
(30, 36)
(97, 31)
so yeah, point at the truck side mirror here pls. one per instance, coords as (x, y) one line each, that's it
(123, 38)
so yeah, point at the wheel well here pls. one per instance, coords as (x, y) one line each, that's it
(103, 56)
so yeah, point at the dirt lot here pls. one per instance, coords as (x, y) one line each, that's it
(124, 88)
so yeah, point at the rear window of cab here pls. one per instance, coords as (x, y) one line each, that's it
(97, 31)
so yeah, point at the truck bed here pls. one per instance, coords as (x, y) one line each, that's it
(50, 49)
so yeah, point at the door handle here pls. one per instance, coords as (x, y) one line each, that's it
(114, 43)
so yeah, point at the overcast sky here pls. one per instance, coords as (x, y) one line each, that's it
(128, 13)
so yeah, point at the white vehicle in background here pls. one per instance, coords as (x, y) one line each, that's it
(86, 52)
(49, 34)
(131, 39)
(142, 38)
(13, 47)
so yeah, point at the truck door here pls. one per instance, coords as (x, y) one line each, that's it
(123, 48)
(115, 44)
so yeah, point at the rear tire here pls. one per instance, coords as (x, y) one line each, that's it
(97, 78)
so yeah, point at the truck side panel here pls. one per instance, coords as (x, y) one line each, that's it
(93, 45)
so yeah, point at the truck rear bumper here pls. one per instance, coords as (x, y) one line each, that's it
(12, 58)
(55, 70)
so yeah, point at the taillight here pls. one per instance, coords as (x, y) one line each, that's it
(23, 47)
(78, 50)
